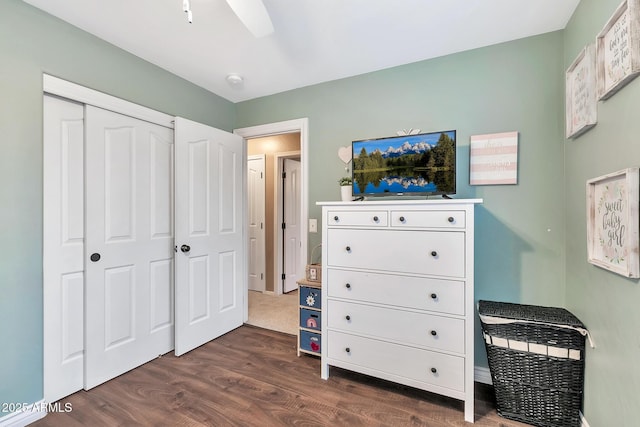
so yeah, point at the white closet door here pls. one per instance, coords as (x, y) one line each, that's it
(292, 248)
(63, 246)
(129, 244)
(256, 226)
(210, 259)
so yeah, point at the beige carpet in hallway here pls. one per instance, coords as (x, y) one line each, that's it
(278, 313)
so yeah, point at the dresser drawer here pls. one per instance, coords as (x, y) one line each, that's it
(428, 219)
(426, 330)
(439, 253)
(374, 218)
(442, 296)
(407, 362)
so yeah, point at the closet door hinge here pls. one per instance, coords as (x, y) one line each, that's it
(284, 175)
(283, 276)
(284, 225)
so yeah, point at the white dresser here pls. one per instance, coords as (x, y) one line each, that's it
(397, 279)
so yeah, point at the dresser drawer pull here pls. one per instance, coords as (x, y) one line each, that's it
(434, 371)
(434, 333)
(348, 286)
(450, 219)
(434, 254)
(434, 296)
(348, 350)
(348, 248)
(375, 219)
(347, 317)
(335, 218)
(401, 219)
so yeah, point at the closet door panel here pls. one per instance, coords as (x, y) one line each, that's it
(129, 291)
(210, 278)
(63, 247)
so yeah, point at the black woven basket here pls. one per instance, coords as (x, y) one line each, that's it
(540, 389)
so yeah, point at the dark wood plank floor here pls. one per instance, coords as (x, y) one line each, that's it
(252, 377)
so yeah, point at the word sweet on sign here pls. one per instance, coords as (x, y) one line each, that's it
(618, 49)
(494, 159)
(612, 222)
(581, 100)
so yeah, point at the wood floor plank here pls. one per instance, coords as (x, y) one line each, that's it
(253, 377)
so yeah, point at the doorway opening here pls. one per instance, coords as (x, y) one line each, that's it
(273, 302)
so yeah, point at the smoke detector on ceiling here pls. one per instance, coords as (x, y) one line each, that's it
(235, 80)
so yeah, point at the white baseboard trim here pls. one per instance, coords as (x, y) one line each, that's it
(583, 420)
(27, 415)
(482, 375)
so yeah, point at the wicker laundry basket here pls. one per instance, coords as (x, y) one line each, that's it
(536, 359)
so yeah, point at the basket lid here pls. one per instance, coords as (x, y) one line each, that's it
(533, 313)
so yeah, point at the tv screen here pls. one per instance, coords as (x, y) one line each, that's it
(422, 164)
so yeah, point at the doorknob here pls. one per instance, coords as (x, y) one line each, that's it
(185, 248)
(95, 257)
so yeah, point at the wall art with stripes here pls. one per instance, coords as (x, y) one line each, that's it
(493, 159)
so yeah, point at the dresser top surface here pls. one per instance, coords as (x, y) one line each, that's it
(396, 202)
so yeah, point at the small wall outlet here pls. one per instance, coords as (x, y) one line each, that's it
(313, 225)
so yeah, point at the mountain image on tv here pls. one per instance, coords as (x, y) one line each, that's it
(423, 163)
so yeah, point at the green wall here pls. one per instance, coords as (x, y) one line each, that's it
(606, 302)
(32, 43)
(513, 86)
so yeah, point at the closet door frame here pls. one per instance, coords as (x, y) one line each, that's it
(65, 89)
(82, 95)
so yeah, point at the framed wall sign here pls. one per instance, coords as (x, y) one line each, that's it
(493, 159)
(581, 100)
(618, 49)
(612, 222)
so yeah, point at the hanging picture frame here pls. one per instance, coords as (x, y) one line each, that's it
(618, 49)
(493, 159)
(612, 222)
(581, 99)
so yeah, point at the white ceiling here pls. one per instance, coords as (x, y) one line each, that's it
(314, 40)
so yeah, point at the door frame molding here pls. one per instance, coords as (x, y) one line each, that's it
(277, 128)
(75, 92)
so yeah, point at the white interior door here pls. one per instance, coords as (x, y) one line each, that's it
(63, 247)
(210, 237)
(256, 226)
(292, 247)
(129, 243)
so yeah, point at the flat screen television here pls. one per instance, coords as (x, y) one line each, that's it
(422, 164)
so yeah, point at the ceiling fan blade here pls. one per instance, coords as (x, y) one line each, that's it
(253, 15)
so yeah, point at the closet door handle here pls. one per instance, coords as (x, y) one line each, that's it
(348, 248)
(348, 286)
(347, 317)
(185, 248)
(434, 333)
(434, 254)
(95, 257)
